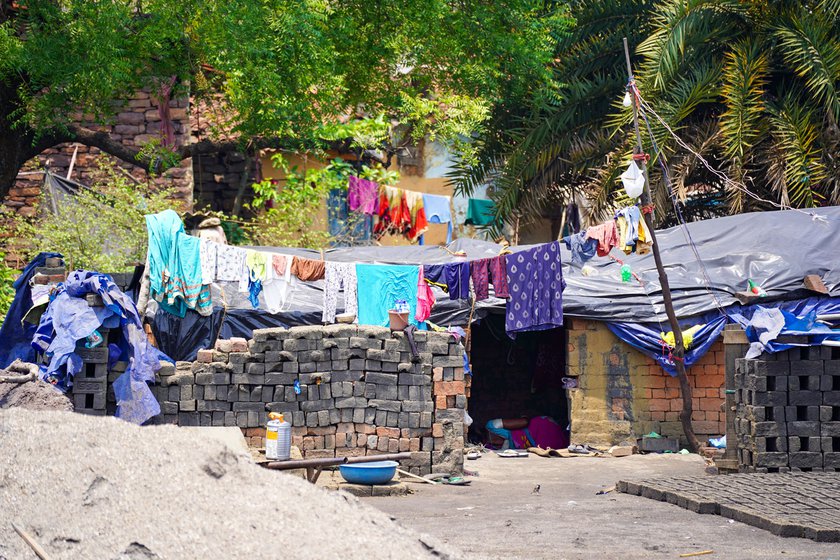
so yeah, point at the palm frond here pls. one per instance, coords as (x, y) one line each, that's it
(745, 76)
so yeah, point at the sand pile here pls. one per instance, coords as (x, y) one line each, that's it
(34, 395)
(89, 487)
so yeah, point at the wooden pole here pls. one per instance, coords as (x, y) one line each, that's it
(679, 348)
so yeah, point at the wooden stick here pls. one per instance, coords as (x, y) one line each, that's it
(406, 473)
(36, 548)
(701, 553)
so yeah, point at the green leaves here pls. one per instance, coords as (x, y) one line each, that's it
(745, 76)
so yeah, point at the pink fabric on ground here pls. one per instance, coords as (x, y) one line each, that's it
(545, 432)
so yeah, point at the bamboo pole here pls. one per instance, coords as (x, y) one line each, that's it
(679, 348)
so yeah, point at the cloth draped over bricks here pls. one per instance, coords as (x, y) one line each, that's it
(69, 318)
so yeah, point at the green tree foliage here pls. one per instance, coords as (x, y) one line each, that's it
(752, 86)
(101, 228)
(7, 292)
(284, 68)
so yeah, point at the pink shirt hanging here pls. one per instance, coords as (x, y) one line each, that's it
(362, 195)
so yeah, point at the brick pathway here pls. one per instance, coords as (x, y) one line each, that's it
(786, 504)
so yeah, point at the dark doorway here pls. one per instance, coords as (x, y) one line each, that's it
(516, 378)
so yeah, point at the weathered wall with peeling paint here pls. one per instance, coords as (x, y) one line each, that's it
(624, 394)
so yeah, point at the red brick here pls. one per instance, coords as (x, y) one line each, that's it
(449, 387)
(672, 393)
(672, 416)
(656, 382)
(204, 355)
(440, 402)
(437, 429)
(388, 432)
(676, 404)
(437, 374)
(414, 444)
(657, 393)
(657, 416)
(659, 405)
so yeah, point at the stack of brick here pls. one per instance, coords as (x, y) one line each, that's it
(788, 411)
(90, 386)
(347, 390)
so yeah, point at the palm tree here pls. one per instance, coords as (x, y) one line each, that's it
(750, 86)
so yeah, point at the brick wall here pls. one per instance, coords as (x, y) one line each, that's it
(136, 122)
(360, 392)
(624, 394)
(788, 411)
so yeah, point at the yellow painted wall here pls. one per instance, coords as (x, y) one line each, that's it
(436, 234)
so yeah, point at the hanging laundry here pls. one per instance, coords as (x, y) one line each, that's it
(207, 255)
(439, 211)
(381, 286)
(627, 221)
(536, 284)
(258, 263)
(277, 288)
(425, 298)
(362, 195)
(337, 276)
(456, 276)
(279, 264)
(582, 247)
(175, 266)
(645, 242)
(414, 202)
(229, 263)
(606, 235)
(307, 269)
(480, 212)
(484, 271)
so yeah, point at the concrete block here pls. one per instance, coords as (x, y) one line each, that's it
(323, 417)
(381, 378)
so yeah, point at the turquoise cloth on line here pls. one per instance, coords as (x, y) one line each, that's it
(438, 211)
(175, 266)
(380, 286)
(480, 212)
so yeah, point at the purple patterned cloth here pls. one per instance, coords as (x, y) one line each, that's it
(362, 195)
(535, 280)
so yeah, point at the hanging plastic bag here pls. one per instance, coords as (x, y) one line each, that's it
(633, 180)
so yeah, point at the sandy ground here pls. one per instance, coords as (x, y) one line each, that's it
(97, 487)
(499, 516)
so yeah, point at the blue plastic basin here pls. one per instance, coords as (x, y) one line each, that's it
(378, 472)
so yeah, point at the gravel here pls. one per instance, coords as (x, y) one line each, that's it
(97, 487)
(34, 395)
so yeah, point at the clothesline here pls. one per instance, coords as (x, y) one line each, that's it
(182, 267)
(627, 231)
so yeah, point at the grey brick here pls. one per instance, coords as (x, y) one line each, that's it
(370, 391)
(381, 378)
(347, 376)
(359, 389)
(335, 417)
(230, 419)
(357, 364)
(208, 378)
(233, 393)
(307, 367)
(212, 406)
(219, 418)
(323, 417)
(248, 407)
(414, 379)
(169, 407)
(393, 420)
(370, 415)
(283, 407)
(381, 417)
(373, 365)
(248, 379)
(298, 345)
(413, 406)
(188, 418)
(174, 393)
(351, 402)
(447, 361)
(299, 419)
(347, 414)
(187, 406)
(282, 356)
(291, 367)
(404, 392)
(358, 415)
(340, 365)
(312, 419)
(206, 392)
(388, 392)
(255, 419)
(366, 343)
(403, 420)
(280, 378)
(255, 369)
(315, 406)
(391, 406)
(389, 367)
(414, 420)
(461, 401)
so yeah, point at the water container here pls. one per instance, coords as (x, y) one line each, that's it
(278, 438)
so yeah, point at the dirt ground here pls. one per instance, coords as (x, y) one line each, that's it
(500, 516)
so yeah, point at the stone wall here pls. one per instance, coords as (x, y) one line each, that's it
(359, 392)
(625, 394)
(788, 411)
(137, 121)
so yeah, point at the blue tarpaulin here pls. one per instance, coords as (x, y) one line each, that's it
(762, 323)
(15, 336)
(647, 339)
